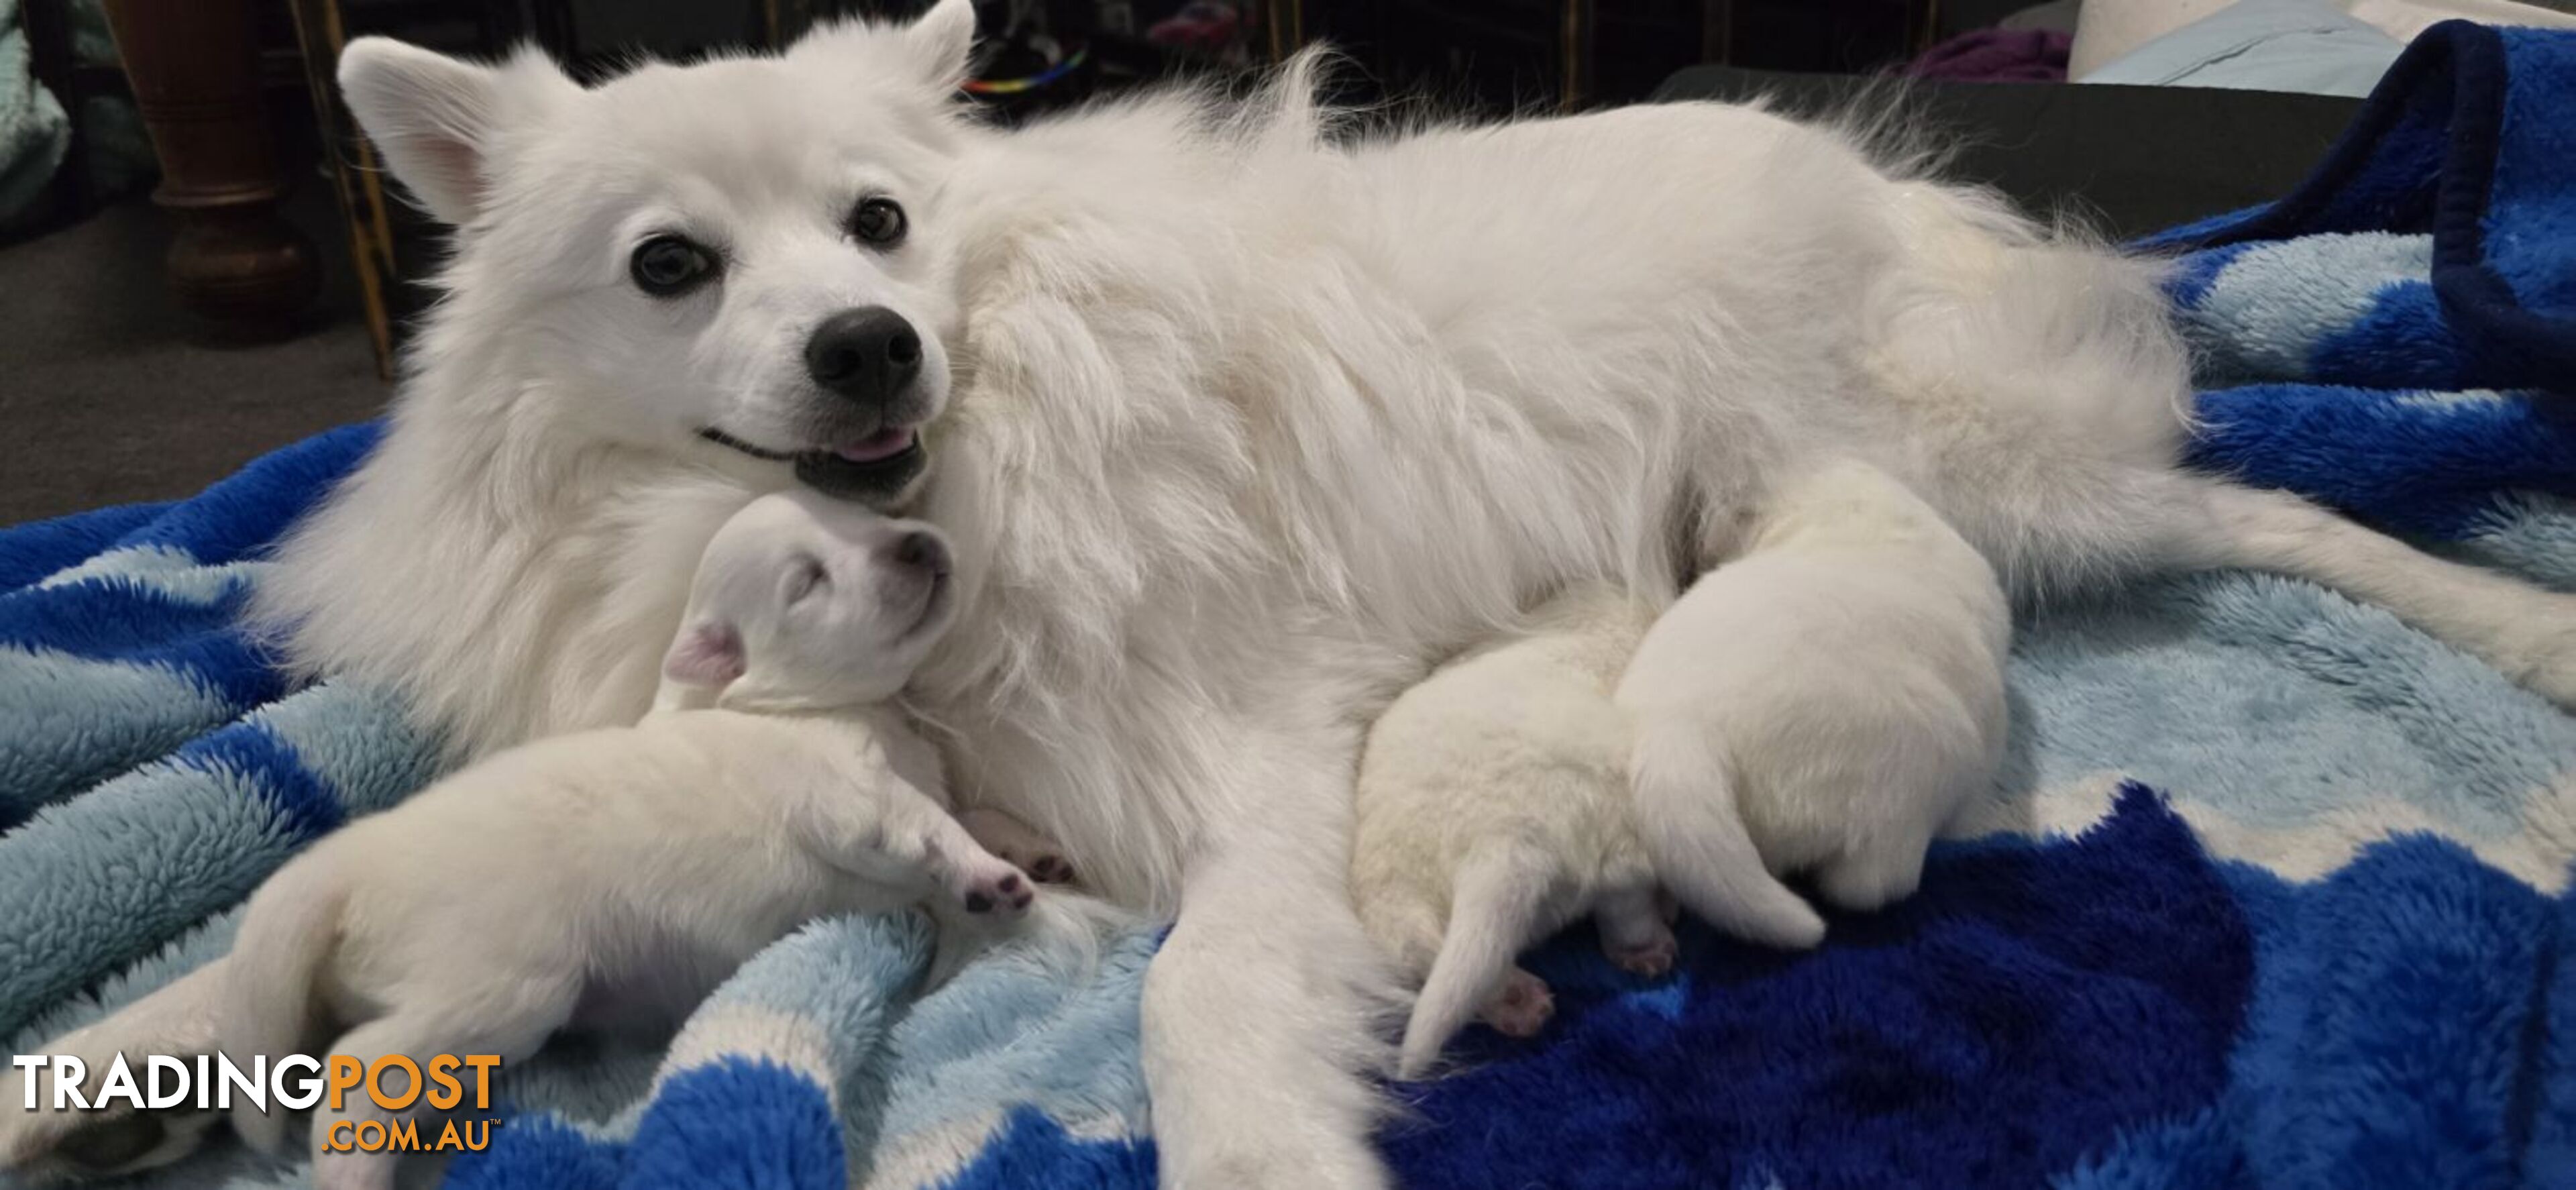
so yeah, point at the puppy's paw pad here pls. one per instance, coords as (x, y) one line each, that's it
(1652, 960)
(1006, 891)
(1522, 1008)
(1049, 869)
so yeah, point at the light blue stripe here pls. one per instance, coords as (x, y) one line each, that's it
(68, 722)
(99, 881)
(2279, 703)
(357, 740)
(2270, 306)
(166, 569)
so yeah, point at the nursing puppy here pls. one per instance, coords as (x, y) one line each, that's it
(1237, 428)
(1838, 690)
(619, 874)
(1493, 809)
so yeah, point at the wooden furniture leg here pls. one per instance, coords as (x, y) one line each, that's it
(321, 34)
(194, 67)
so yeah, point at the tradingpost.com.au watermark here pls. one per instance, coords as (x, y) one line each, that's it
(295, 1082)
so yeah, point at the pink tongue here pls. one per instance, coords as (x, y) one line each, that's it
(874, 447)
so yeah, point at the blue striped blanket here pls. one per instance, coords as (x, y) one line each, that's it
(2274, 890)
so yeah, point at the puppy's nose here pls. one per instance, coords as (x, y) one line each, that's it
(868, 355)
(919, 549)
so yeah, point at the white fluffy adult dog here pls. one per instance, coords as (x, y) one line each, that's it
(1235, 430)
(616, 876)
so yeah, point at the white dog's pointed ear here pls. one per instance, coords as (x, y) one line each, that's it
(944, 37)
(434, 117)
(707, 656)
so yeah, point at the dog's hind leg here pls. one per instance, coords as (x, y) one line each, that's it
(1868, 877)
(1405, 924)
(1633, 931)
(178, 1021)
(2526, 631)
(508, 1017)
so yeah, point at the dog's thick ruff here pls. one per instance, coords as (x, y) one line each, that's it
(1246, 430)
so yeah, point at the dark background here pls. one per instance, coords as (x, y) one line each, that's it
(112, 389)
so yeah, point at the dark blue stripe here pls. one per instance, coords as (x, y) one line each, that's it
(34, 550)
(245, 512)
(2406, 341)
(738, 1123)
(118, 620)
(2193, 274)
(308, 808)
(533, 1152)
(2032, 1004)
(2426, 468)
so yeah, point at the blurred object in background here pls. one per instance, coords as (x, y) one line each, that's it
(70, 138)
(194, 68)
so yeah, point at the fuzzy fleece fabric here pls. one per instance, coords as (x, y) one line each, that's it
(2272, 893)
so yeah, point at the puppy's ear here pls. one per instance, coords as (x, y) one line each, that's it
(944, 41)
(435, 118)
(707, 656)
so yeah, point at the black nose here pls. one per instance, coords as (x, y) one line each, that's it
(868, 355)
(921, 550)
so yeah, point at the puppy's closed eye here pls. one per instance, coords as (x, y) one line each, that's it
(805, 575)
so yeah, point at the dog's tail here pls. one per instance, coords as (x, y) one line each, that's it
(1494, 908)
(1687, 819)
(266, 1008)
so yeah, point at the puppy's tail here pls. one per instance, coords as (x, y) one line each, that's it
(1494, 908)
(266, 1008)
(1687, 819)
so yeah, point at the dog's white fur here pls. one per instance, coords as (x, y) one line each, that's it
(1823, 703)
(1493, 808)
(1244, 428)
(617, 875)
(1840, 686)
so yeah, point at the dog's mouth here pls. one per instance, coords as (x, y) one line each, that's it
(875, 467)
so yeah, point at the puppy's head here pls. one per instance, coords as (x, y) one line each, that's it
(737, 262)
(806, 603)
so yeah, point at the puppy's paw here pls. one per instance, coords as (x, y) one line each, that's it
(1014, 840)
(996, 888)
(1522, 1007)
(1043, 864)
(1652, 958)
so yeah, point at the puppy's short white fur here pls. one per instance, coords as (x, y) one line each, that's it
(1493, 808)
(615, 876)
(1822, 704)
(1237, 426)
(1840, 687)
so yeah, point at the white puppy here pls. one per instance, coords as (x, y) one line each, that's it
(1493, 809)
(622, 873)
(1840, 687)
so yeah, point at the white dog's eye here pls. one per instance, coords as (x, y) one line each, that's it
(878, 220)
(669, 265)
(804, 577)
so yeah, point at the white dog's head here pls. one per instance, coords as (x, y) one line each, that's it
(806, 603)
(736, 262)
